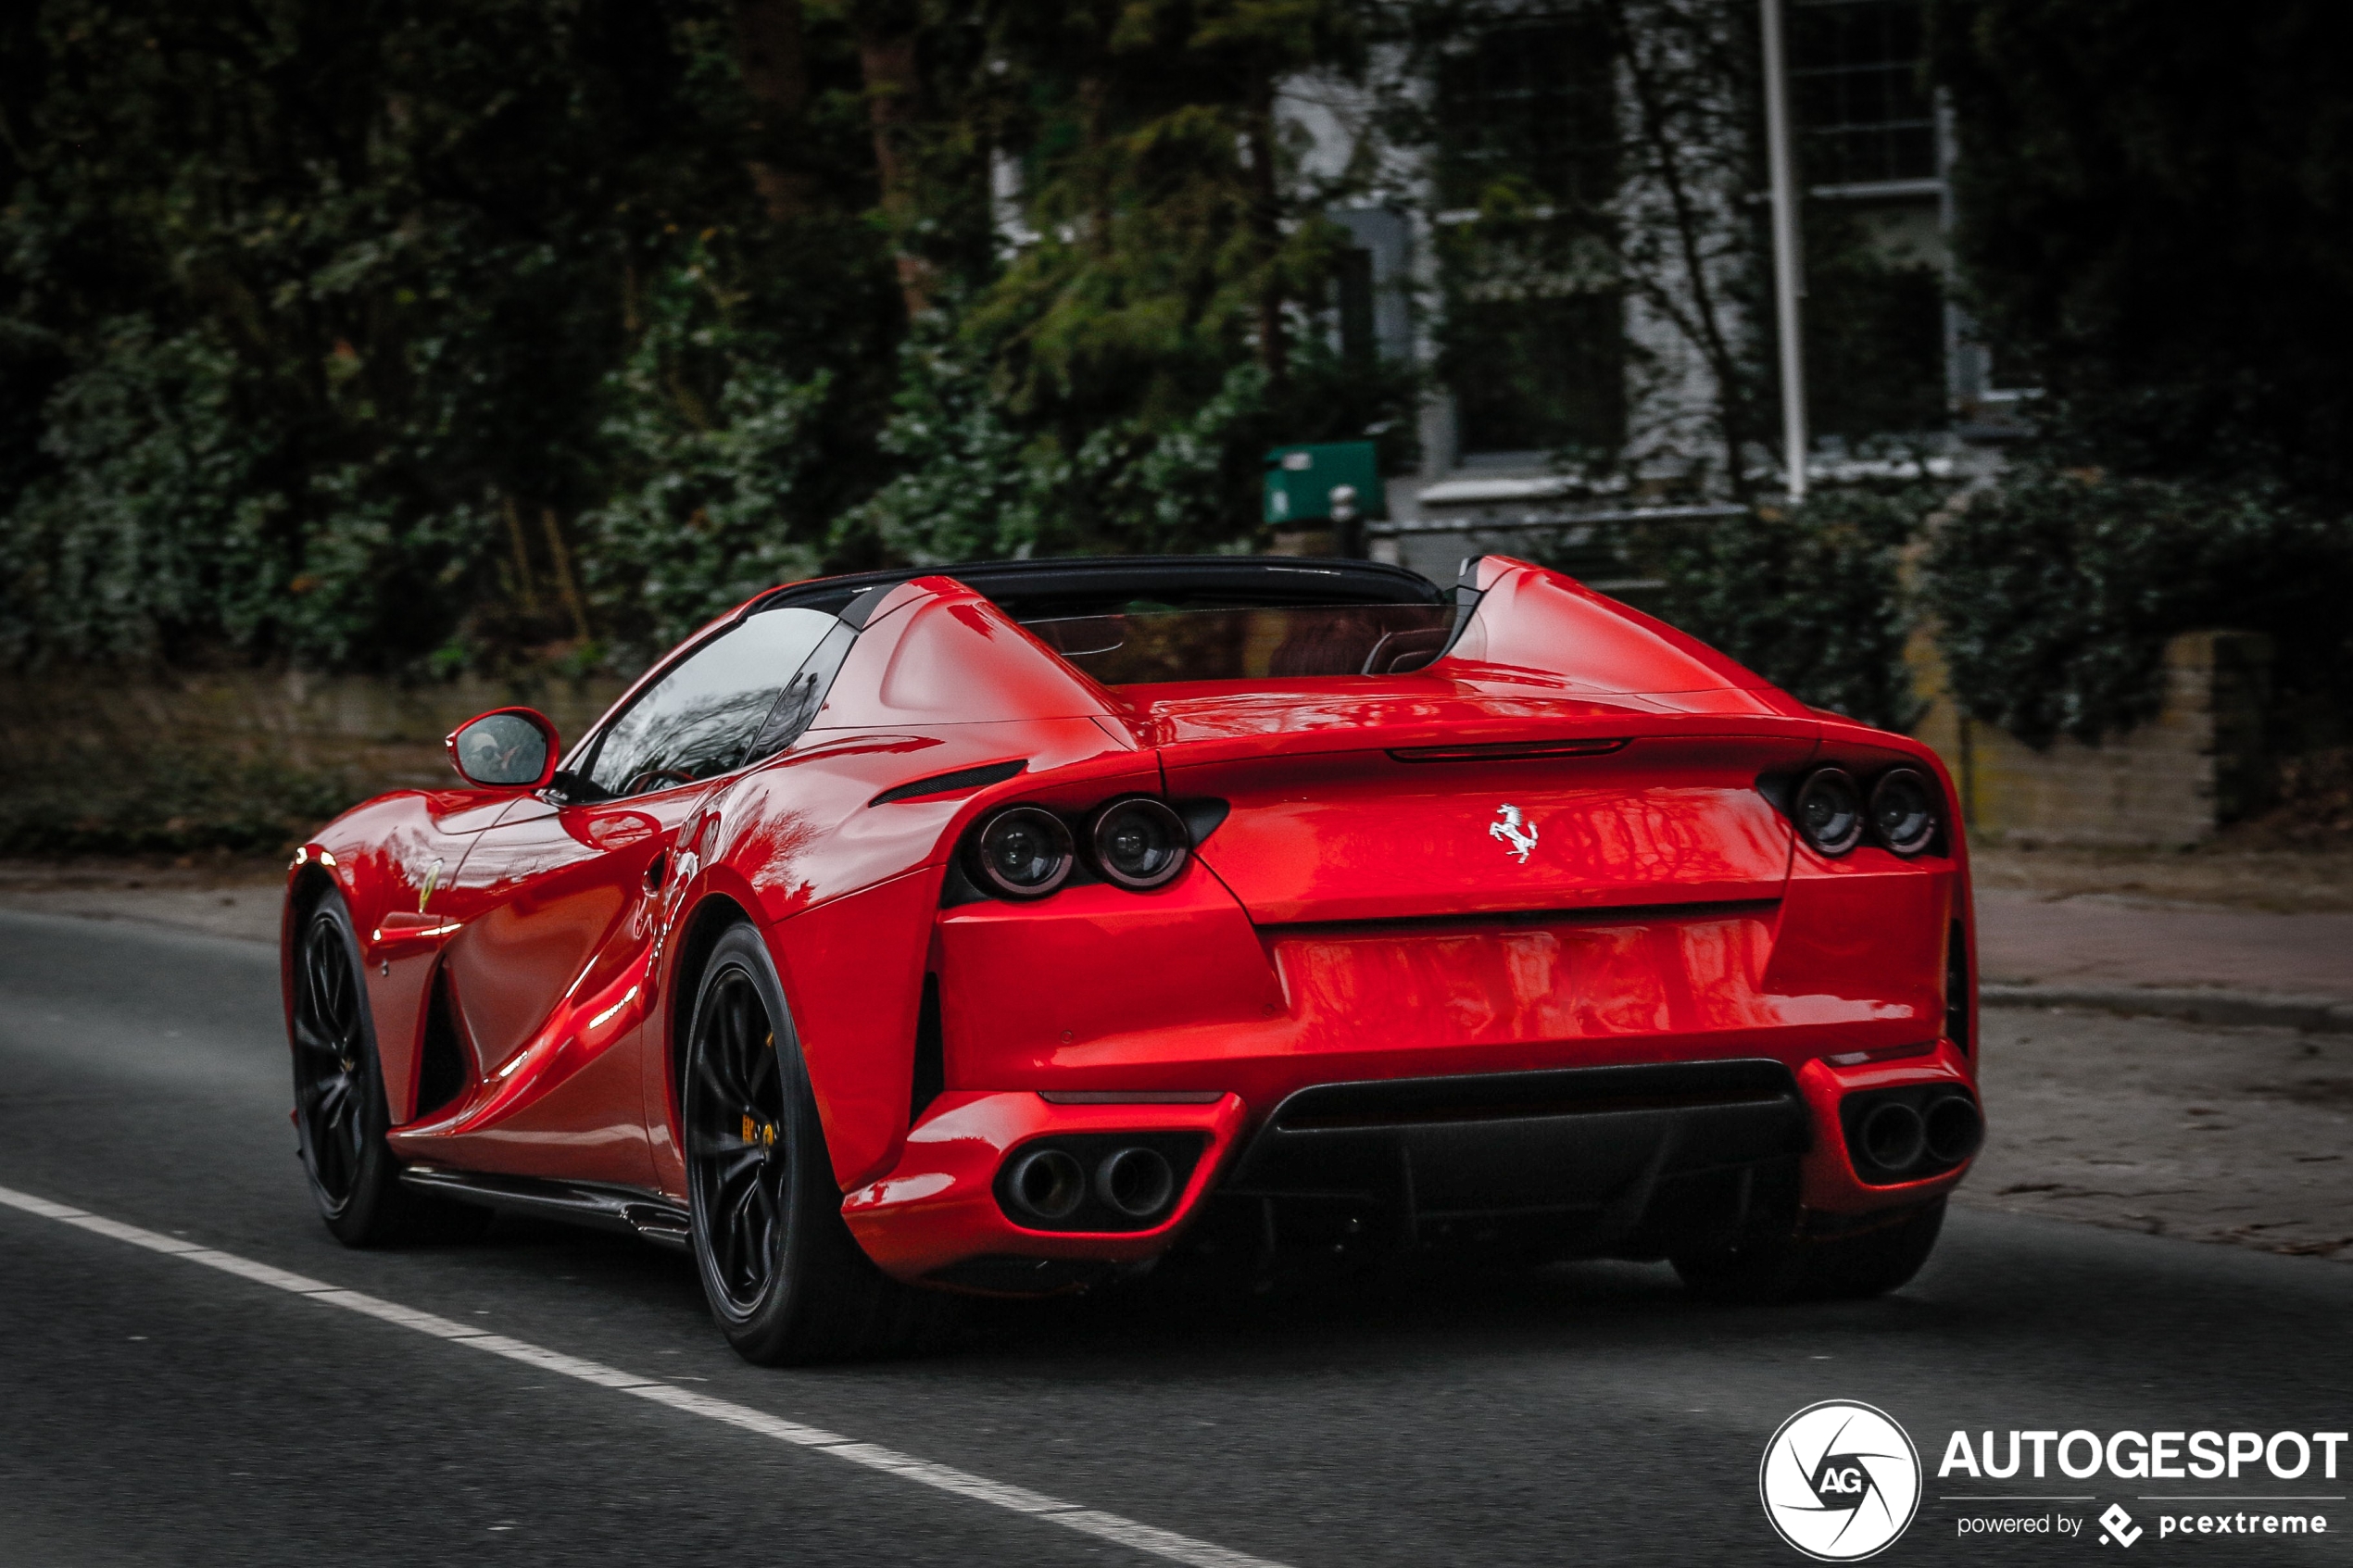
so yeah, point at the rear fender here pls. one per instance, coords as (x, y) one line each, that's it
(843, 872)
(1529, 617)
(1902, 929)
(938, 653)
(853, 975)
(1092, 983)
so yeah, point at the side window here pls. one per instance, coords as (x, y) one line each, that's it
(703, 718)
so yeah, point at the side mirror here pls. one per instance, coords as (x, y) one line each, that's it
(508, 749)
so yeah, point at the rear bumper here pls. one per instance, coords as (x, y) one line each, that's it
(937, 1213)
(1633, 1161)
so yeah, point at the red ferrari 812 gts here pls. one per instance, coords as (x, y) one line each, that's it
(1000, 929)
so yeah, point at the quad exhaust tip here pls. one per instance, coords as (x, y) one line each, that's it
(1953, 1129)
(1137, 1182)
(1893, 1137)
(1049, 1184)
(1913, 1134)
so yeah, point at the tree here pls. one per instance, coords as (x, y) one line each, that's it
(315, 302)
(2156, 204)
(1152, 315)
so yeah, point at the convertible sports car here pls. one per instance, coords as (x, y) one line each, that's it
(1002, 928)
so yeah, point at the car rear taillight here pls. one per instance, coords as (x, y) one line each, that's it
(1023, 852)
(1829, 810)
(1904, 815)
(1139, 843)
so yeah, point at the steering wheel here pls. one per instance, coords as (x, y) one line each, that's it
(655, 778)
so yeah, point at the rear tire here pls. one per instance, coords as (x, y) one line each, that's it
(341, 1112)
(1854, 1266)
(787, 1281)
(1876, 1261)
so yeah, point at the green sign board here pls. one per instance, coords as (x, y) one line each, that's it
(1339, 481)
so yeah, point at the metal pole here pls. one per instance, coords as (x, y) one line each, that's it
(1789, 283)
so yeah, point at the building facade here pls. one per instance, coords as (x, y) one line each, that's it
(1568, 231)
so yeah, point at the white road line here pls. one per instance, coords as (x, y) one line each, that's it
(1017, 1499)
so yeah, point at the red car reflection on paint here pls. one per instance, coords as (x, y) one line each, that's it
(1004, 929)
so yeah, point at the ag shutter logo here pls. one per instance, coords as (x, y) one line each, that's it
(1841, 1481)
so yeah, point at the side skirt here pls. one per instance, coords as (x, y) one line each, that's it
(626, 1210)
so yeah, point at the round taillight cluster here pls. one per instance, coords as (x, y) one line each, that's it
(1023, 853)
(1026, 852)
(1901, 812)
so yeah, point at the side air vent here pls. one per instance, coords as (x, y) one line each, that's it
(1956, 997)
(441, 1067)
(931, 1053)
(950, 784)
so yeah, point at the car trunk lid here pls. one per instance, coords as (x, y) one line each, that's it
(1394, 805)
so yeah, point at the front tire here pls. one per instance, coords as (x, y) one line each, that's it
(341, 1113)
(787, 1281)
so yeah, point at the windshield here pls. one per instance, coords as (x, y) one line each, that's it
(1146, 643)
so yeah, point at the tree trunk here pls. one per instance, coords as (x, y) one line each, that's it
(774, 65)
(1704, 326)
(1265, 222)
(894, 98)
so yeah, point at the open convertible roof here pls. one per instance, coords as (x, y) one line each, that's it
(1033, 590)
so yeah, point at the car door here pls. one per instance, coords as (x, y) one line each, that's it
(549, 978)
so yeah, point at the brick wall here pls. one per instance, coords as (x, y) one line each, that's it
(2175, 780)
(383, 730)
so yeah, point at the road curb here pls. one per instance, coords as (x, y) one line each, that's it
(2316, 1015)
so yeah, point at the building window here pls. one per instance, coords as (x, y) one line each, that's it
(1863, 114)
(1529, 113)
(1542, 375)
(1874, 346)
(1533, 345)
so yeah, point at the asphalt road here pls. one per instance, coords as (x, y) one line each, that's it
(156, 1411)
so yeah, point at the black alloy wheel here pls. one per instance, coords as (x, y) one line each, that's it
(340, 1109)
(340, 1106)
(785, 1280)
(739, 1147)
(332, 1056)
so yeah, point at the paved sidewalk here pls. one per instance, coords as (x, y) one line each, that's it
(246, 909)
(2242, 1136)
(2027, 938)
(2223, 965)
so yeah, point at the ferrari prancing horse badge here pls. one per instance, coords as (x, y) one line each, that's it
(1512, 831)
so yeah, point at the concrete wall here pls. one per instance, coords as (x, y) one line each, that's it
(2175, 780)
(382, 730)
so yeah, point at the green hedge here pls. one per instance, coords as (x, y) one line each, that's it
(1809, 596)
(2055, 592)
(173, 800)
(2052, 594)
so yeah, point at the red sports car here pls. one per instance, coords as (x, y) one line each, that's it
(1002, 928)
